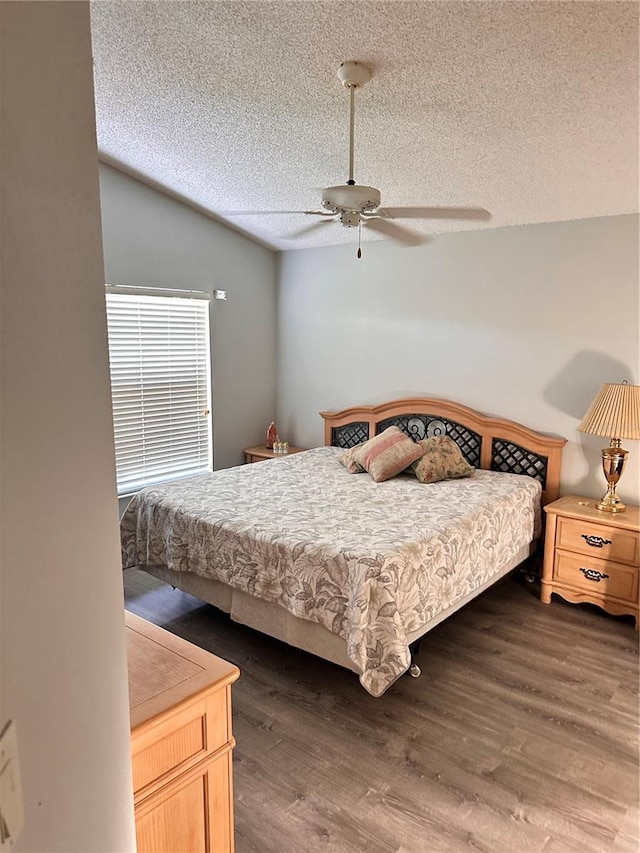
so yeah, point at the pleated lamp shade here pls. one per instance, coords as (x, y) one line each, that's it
(615, 412)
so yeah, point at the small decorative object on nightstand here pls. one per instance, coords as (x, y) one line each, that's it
(591, 555)
(272, 435)
(259, 454)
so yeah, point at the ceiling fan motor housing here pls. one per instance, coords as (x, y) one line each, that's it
(351, 198)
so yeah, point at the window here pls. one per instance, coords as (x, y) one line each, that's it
(160, 364)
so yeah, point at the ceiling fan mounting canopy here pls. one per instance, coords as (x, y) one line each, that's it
(353, 74)
(354, 197)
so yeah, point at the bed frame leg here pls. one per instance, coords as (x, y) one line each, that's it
(531, 569)
(414, 669)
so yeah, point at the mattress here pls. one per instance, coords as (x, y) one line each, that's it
(371, 563)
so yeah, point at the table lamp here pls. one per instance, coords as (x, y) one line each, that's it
(615, 412)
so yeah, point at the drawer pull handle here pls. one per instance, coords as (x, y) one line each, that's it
(595, 541)
(593, 575)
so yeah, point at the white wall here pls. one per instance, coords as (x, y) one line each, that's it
(64, 679)
(153, 240)
(525, 323)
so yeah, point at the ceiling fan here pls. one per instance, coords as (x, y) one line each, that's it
(359, 206)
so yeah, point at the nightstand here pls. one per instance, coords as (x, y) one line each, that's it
(259, 454)
(593, 556)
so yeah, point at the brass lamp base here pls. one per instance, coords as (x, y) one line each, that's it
(611, 504)
(613, 459)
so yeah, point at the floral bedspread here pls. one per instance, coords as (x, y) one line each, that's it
(370, 561)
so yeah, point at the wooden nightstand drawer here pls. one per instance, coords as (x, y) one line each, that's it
(597, 540)
(598, 577)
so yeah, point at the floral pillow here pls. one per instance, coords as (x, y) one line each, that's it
(441, 460)
(349, 462)
(385, 455)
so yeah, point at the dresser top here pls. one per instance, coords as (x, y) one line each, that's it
(165, 670)
(583, 508)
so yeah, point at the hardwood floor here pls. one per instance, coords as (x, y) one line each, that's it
(521, 736)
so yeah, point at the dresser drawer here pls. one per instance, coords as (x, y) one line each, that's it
(597, 540)
(598, 577)
(168, 746)
(192, 814)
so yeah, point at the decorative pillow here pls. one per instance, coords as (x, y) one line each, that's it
(441, 460)
(349, 462)
(387, 454)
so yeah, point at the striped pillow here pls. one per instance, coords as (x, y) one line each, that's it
(387, 454)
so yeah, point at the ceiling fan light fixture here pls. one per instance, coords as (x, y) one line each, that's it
(350, 219)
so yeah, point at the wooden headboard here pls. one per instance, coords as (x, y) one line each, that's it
(494, 444)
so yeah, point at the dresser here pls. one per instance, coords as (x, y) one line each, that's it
(181, 742)
(258, 454)
(592, 555)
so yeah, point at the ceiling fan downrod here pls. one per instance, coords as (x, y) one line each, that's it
(352, 75)
(352, 110)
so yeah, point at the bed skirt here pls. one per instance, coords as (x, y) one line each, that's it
(277, 622)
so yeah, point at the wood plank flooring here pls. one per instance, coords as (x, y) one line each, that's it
(521, 736)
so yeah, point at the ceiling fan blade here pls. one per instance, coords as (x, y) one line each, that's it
(272, 212)
(434, 213)
(396, 232)
(309, 229)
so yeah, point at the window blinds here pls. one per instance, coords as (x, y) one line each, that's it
(160, 362)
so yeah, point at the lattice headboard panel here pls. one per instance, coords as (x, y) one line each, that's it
(350, 434)
(426, 426)
(486, 442)
(513, 459)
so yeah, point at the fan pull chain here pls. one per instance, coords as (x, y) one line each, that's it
(359, 238)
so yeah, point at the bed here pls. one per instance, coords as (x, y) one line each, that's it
(341, 566)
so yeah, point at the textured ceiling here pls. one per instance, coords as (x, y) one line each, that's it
(529, 109)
